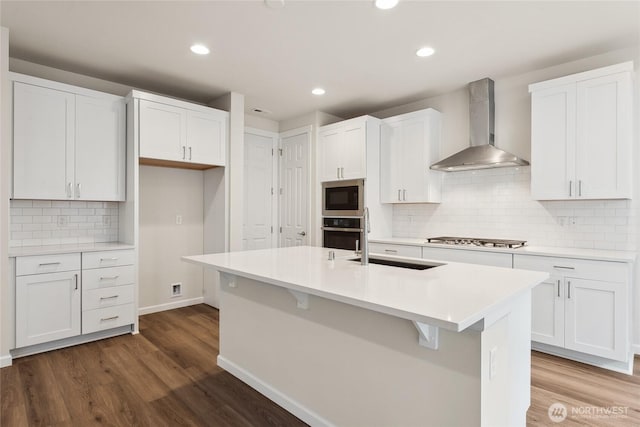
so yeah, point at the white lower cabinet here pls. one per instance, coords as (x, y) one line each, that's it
(58, 297)
(47, 307)
(395, 249)
(495, 259)
(108, 291)
(583, 306)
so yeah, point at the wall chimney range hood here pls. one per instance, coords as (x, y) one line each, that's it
(482, 154)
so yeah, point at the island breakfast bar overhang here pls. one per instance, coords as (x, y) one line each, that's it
(337, 343)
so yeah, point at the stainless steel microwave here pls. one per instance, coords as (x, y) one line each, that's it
(343, 198)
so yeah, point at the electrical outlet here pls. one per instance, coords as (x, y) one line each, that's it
(179, 219)
(176, 289)
(493, 367)
(62, 221)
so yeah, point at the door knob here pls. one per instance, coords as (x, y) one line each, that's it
(302, 233)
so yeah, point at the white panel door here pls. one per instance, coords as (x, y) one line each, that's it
(259, 191)
(603, 152)
(100, 149)
(553, 143)
(294, 184)
(547, 312)
(43, 146)
(205, 138)
(47, 307)
(162, 131)
(596, 318)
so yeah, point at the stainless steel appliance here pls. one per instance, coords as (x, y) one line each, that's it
(341, 232)
(476, 241)
(343, 198)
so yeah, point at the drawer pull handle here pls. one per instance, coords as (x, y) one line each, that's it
(109, 318)
(108, 259)
(563, 267)
(111, 297)
(109, 277)
(391, 251)
(43, 264)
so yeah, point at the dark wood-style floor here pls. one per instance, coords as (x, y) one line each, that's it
(167, 376)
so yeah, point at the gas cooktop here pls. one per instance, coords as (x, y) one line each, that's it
(474, 241)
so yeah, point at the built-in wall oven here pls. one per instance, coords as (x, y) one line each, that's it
(343, 198)
(341, 232)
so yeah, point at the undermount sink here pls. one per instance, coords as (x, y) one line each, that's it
(414, 265)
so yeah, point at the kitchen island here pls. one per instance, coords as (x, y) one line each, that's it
(338, 343)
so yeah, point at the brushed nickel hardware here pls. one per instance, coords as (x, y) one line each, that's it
(580, 188)
(189, 153)
(391, 251)
(558, 288)
(570, 188)
(111, 297)
(404, 195)
(109, 259)
(42, 264)
(109, 318)
(184, 152)
(78, 187)
(75, 279)
(563, 267)
(302, 233)
(569, 289)
(109, 277)
(399, 198)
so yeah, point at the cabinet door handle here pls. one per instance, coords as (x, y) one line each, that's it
(109, 277)
(184, 152)
(69, 195)
(78, 187)
(580, 188)
(104, 319)
(189, 153)
(558, 288)
(399, 198)
(563, 267)
(75, 279)
(338, 172)
(42, 264)
(111, 297)
(404, 195)
(569, 289)
(342, 172)
(570, 188)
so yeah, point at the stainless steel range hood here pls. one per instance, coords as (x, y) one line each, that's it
(482, 154)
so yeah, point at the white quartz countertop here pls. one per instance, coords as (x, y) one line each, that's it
(578, 253)
(65, 249)
(453, 296)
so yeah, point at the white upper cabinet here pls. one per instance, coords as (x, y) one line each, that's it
(177, 133)
(68, 142)
(342, 150)
(581, 127)
(100, 149)
(409, 144)
(43, 142)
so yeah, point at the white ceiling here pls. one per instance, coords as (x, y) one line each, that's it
(362, 56)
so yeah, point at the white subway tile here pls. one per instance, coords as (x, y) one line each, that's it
(15, 211)
(31, 227)
(51, 211)
(59, 204)
(42, 203)
(42, 219)
(69, 211)
(21, 203)
(32, 211)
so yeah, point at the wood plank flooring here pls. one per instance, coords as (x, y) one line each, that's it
(167, 376)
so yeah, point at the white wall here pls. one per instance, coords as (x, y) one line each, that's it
(261, 123)
(6, 302)
(165, 193)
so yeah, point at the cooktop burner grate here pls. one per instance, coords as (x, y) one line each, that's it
(475, 241)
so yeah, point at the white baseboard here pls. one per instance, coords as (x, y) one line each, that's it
(612, 365)
(6, 360)
(170, 306)
(636, 349)
(273, 394)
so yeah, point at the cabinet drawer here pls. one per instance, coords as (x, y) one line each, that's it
(398, 250)
(106, 297)
(107, 318)
(495, 259)
(107, 258)
(108, 277)
(594, 270)
(39, 264)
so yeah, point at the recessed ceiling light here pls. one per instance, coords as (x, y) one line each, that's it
(200, 49)
(386, 4)
(318, 91)
(425, 51)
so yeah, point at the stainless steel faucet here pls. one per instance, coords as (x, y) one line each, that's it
(366, 229)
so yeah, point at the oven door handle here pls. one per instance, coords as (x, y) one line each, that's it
(353, 230)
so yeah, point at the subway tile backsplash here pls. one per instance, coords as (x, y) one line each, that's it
(45, 222)
(497, 203)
